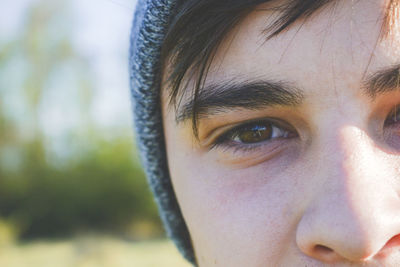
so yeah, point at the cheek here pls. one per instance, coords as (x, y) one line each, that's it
(253, 211)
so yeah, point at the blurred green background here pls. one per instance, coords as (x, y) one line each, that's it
(72, 192)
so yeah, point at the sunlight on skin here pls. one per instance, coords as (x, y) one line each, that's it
(329, 196)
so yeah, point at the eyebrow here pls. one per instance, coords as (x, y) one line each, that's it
(383, 81)
(258, 94)
(252, 95)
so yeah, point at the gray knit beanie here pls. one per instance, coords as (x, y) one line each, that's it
(150, 23)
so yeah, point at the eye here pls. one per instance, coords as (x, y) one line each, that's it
(254, 133)
(391, 129)
(393, 117)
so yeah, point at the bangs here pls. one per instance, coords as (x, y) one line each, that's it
(199, 26)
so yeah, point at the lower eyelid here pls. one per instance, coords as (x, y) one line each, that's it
(248, 156)
(242, 148)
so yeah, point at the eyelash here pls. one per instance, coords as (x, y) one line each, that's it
(277, 131)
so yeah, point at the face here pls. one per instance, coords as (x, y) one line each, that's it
(297, 157)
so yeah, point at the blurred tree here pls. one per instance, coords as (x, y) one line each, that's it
(98, 187)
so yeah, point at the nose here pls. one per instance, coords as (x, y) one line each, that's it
(355, 208)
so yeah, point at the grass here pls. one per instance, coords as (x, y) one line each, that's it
(91, 251)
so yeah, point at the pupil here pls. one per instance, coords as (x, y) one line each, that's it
(255, 134)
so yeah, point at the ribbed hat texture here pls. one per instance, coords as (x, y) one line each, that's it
(150, 23)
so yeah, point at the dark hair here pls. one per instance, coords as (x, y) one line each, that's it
(199, 26)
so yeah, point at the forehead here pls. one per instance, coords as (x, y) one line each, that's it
(346, 37)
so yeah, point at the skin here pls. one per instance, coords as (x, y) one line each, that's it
(327, 194)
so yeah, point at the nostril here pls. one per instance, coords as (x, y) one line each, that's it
(323, 250)
(394, 241)
(392, 245)
(325, 254)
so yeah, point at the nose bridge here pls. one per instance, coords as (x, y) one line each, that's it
(347, 160)
(350, 185)
(348, 218)
(350, 156)
(356, 171)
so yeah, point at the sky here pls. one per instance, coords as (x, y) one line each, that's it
(103, 33)
(100, 32)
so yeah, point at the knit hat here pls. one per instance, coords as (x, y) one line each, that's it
(150, 23)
